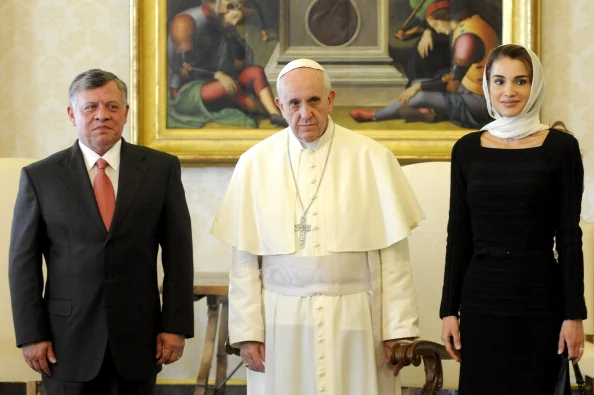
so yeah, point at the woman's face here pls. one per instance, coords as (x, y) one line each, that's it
(509, 86)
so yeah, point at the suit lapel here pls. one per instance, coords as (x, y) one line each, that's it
(76, 177)
(133, 167)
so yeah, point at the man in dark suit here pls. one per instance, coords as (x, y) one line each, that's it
(98, 212)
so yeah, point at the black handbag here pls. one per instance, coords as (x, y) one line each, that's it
(563, 378)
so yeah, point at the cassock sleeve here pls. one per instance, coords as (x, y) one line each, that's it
(399, 303)
(246, 319)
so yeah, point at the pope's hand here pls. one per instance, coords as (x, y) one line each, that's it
(253, 355)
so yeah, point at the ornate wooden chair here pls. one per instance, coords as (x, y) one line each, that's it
(431, 183)
(14, 369)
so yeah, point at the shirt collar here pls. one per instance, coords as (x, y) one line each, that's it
(296, 144)
(112, 157)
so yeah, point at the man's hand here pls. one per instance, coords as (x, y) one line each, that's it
(572, 333)
(37, 355)
(170, 347)
(253, 355)
(228, 83)
(184, 69)
(425, 43)
(450, 333)
(409, 93)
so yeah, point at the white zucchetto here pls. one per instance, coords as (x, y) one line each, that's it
(299, 63)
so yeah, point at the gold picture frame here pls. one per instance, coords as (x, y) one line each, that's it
(202, 147)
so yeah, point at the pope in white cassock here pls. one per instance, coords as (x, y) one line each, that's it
(320, 282)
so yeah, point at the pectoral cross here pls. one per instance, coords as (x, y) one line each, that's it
(302, 227)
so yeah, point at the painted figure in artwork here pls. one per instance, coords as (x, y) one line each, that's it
(457, 95)
(212, 77)
(429, 55)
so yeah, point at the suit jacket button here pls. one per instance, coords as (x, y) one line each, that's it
(108, 275)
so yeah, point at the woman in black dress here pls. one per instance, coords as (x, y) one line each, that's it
(510, 303)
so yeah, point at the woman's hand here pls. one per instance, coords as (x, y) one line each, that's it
(572, 333)
(450, 335)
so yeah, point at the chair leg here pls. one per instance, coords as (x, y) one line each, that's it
(208, 349)
(31, 388)
(221, 373)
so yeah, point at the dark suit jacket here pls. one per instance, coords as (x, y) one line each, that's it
(101, 285)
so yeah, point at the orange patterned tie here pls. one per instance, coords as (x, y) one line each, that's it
(104, 193)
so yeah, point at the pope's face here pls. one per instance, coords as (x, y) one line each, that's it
(305, 102)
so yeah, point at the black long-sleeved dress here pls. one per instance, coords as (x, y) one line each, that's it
(507, 209)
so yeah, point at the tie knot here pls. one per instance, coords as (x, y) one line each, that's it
(101, 163)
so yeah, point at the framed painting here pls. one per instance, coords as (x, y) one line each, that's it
(204, 71)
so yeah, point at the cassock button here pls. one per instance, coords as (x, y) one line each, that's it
(108, 275)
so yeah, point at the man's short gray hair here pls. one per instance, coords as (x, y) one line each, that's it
(92, 79)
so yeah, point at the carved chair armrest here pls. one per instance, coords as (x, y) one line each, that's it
(431, 353)
(229, 349)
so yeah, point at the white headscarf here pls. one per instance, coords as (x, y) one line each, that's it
(527, 121)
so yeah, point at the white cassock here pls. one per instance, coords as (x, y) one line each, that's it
(324, 310)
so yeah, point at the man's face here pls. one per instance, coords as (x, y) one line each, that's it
(218, 6)
(232, 18)
(99, 116)
(441, 27)
(305, 103)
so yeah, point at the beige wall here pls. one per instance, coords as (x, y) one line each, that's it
(45, 43)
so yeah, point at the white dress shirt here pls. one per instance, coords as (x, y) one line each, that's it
(112, 157)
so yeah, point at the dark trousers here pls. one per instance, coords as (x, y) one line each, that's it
(107, 382)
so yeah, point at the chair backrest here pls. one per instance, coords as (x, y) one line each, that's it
(588, 248)
(13, 367)
(430, 182)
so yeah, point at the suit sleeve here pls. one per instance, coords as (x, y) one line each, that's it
(25, 273)
(399, 303)
(246, 321)
(175, 238)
